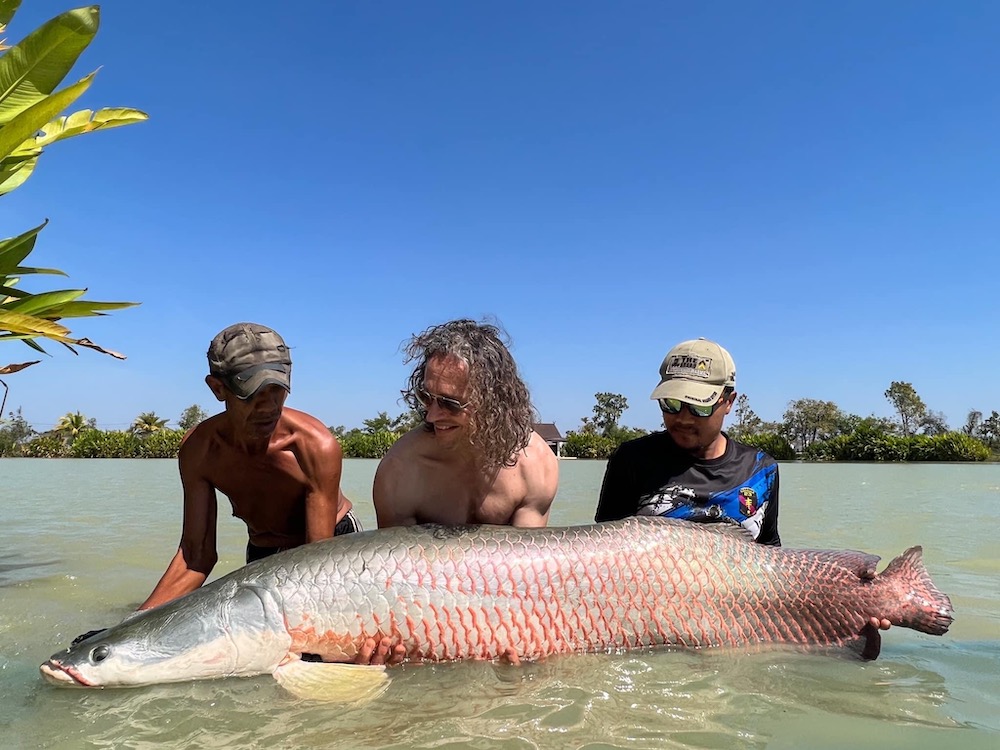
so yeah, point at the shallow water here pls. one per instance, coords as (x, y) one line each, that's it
(86, 541)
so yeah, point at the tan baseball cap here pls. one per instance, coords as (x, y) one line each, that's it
(695, 372)
(248, 356)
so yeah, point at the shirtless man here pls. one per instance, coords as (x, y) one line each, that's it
(279, 467)
(475, 458)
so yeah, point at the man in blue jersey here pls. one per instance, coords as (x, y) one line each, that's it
(694, 470)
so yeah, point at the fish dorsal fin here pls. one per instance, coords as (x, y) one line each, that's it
(354, 684)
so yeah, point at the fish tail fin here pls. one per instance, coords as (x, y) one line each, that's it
(927, 608)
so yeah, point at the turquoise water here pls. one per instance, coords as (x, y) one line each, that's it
(86, 541)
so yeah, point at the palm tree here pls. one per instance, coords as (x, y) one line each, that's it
(71, 424)
(147, 423)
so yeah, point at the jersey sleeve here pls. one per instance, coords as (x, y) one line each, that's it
(769, 526)
(618, 496)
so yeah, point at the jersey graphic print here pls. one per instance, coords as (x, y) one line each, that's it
(744, 503)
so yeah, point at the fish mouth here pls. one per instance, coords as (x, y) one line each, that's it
(56, 674)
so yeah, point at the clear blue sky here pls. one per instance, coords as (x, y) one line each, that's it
(815, 186)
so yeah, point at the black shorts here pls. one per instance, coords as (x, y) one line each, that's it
(347, 525)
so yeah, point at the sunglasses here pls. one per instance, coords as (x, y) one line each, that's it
(674, 406)
(425, 399)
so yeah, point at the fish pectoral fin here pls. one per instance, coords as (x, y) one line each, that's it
(354, 684)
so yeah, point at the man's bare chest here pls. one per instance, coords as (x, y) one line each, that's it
(456, 499)
(244, 479)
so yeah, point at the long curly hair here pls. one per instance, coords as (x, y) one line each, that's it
(501, 413)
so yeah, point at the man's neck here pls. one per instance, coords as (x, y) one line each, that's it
(715, 449)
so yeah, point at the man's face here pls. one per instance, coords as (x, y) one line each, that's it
(447, 376)
(255, 417)
(696, 434)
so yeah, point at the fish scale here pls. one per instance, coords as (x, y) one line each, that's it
(637, 582)
(480, 592)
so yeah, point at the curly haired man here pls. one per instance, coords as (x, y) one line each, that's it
(475, 458)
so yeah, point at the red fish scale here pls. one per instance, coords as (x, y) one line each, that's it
(474, 592)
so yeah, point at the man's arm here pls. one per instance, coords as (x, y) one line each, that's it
(616, 491)
(321, 460)
(769, 525)
(197, 553)
(541, 478)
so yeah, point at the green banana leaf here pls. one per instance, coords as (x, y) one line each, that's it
(7, 10)
(13, 250)
(14, 170)
(31, 118)
(21, 325)
(64, 303)
(33, 67)
(27, 124)
(87, 121)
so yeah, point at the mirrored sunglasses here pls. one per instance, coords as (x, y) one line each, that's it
(425, 399)
(674, 406)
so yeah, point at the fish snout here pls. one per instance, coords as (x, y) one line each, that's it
(55, 674)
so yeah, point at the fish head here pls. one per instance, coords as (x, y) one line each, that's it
(192, 638)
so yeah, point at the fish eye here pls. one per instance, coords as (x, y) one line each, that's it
(100, 653)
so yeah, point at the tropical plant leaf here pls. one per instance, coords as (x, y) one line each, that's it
(39, 304)
(29, 340)
(26, 125)
(87, 121)
(83, 308)
(91, 345)
(31, 325)
(28, 270)
(33, 67)
(12, 368)
(13, 250)
(31, 118)
(14, 172)
(7, 10)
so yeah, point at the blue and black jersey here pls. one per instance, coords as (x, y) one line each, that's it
(651, 476)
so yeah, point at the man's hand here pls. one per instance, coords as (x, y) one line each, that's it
(382, 652)
(880, 624)
(509, 656)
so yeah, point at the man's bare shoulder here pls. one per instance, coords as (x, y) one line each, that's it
(306, 432)
(203, 437)
(538, 457)
(409, 446)
(539, 469)
(300, 420)
(398, 487)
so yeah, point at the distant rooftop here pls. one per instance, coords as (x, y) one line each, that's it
(549, 432)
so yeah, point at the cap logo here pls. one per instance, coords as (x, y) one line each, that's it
(688, 366)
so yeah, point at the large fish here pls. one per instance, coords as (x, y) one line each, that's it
(478, 592)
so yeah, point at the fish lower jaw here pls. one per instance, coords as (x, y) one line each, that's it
(55, 674)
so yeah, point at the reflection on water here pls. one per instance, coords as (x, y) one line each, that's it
(17, 567)
(642, 699)
(60, 577)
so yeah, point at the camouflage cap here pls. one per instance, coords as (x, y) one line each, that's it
(248, 356)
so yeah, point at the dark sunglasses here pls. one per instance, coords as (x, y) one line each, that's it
(425, 399)
(674, 406)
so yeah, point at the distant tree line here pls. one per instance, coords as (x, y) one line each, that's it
(820, 431)
(77, 436)
(810, 430)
